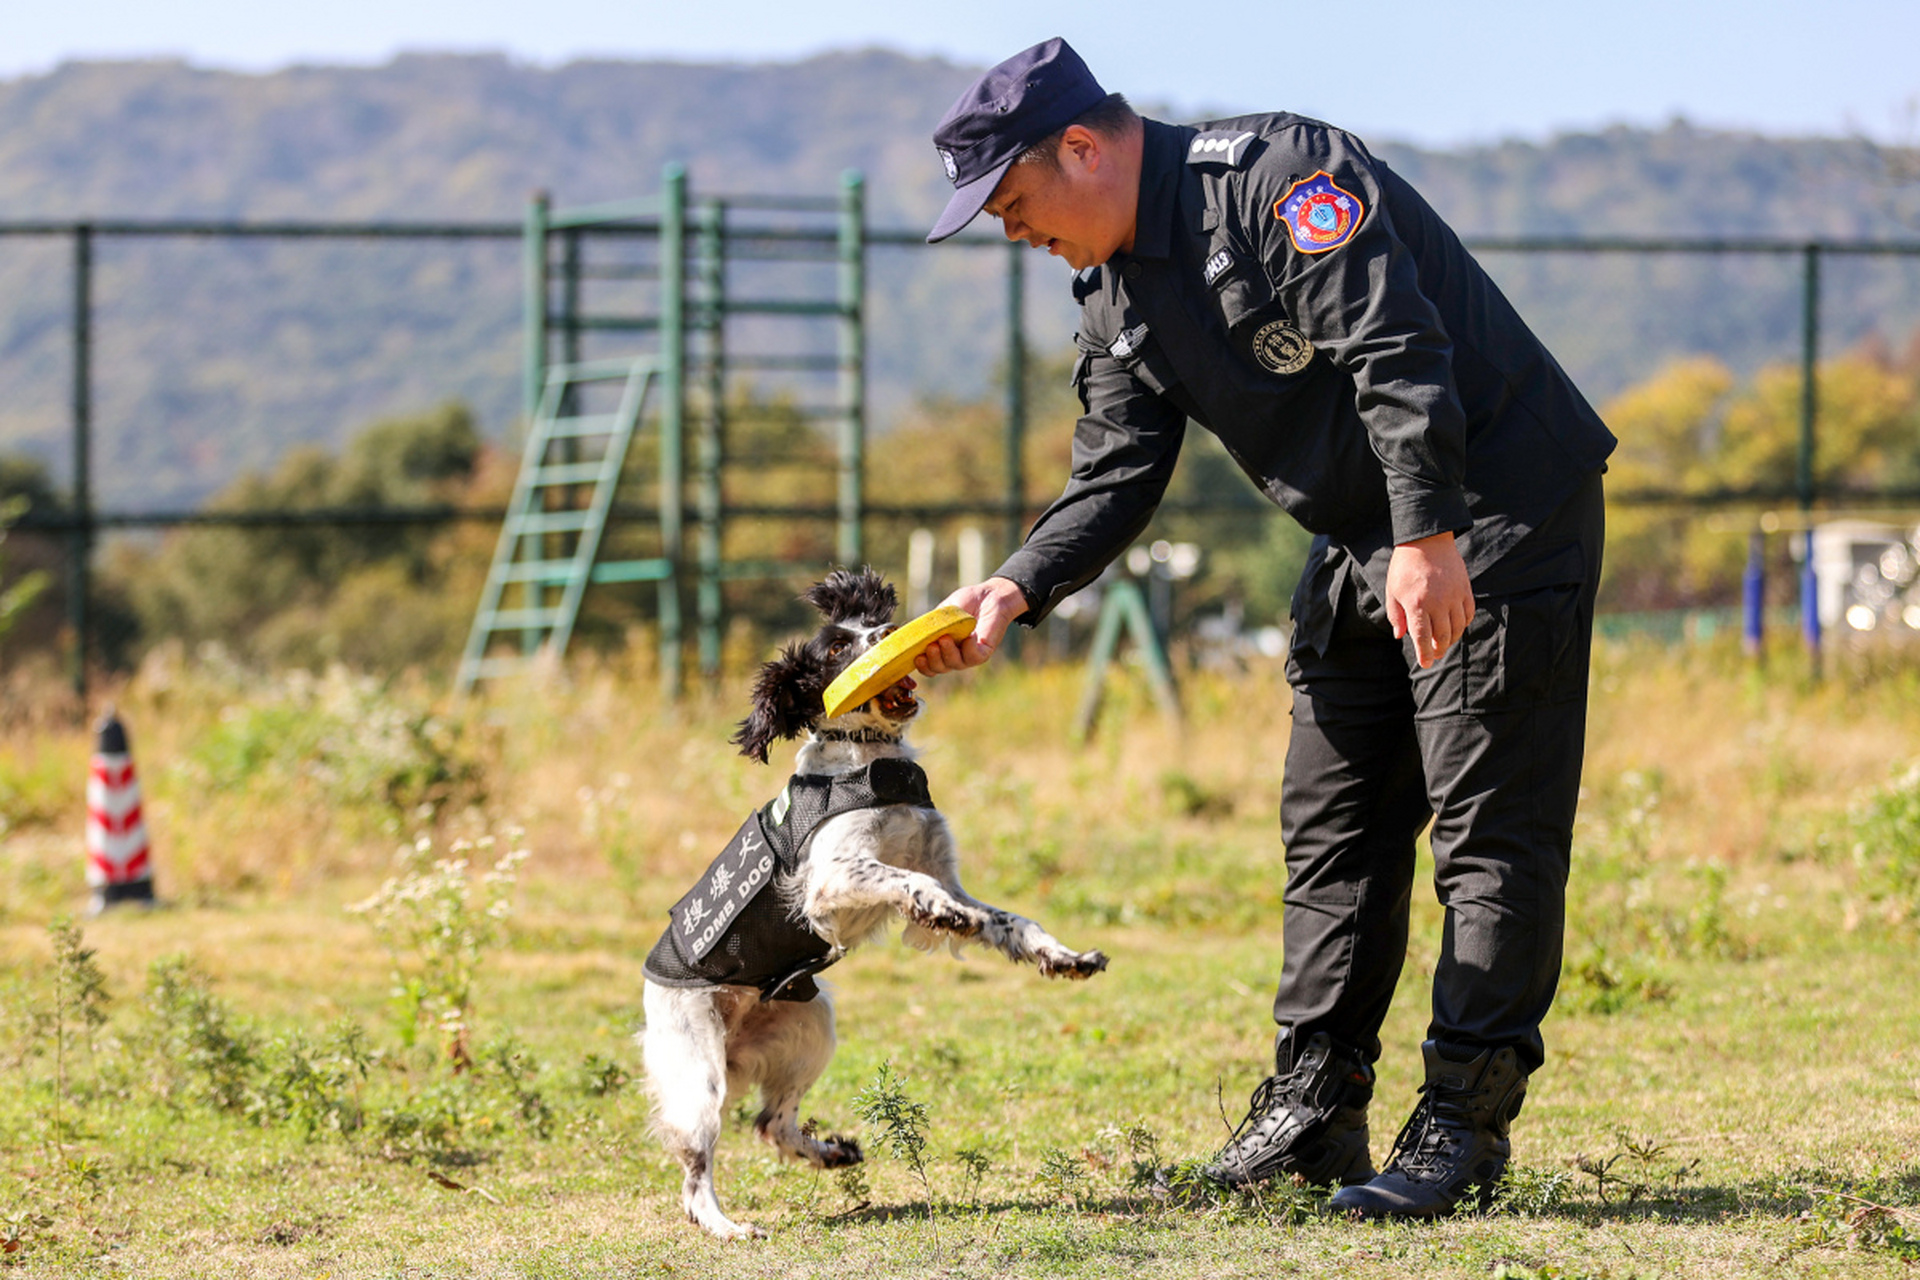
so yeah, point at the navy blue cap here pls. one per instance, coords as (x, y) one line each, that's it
(1031, 95)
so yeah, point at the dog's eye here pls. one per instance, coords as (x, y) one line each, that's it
(838, 647)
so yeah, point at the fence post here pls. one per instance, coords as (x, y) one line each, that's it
(673, 416)
(1809, 411)
(711, 224)
(1016, 391)
(853, 381)
(1753, 591)
(80, 541)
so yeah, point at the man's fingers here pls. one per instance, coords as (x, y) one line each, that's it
(1422, 628)
(940, 658)
(1397, 616)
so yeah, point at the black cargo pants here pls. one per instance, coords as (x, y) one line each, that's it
(1487, 743)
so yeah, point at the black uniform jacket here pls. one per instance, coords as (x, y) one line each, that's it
(1290, 293)
(734, 928)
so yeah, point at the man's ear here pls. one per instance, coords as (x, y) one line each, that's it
(1081, 145)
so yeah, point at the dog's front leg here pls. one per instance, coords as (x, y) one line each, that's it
(863, 883)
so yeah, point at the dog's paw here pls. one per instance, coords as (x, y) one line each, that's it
(725, 1228)
(1072, 965)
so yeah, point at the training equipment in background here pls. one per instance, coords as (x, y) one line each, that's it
(119, 858)
(882, 666)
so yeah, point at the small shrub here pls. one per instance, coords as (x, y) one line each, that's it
(1063, 1175)
(1846, 1220)
(1886, 845)
(515, 1067)
(345, 737)
(315, 1087)
(1599, 982)
(902, 1122)
(602, 1077)
(203, 1050)
(1528, 1192)
(436, 935)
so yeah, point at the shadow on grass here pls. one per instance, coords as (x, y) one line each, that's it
(1781, 1198)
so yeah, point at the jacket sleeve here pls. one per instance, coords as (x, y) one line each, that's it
(1357, 296)
(1124, 449)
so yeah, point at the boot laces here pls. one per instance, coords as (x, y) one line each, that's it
(1428, 1142)
(1269, 1099)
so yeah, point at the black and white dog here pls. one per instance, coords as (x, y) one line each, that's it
(853, 841)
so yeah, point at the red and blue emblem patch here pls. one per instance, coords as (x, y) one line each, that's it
(1319, 213)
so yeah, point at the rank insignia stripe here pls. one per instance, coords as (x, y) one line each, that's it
(1220, 147)
(1319, 213)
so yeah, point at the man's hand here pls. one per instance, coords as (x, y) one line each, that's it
(996, 603)
(1429, 595)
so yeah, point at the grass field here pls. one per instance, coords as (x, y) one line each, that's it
(249, 1083)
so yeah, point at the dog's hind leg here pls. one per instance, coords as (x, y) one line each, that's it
(785, 1045)
(685, 1045)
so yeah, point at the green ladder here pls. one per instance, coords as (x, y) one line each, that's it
(546, 507)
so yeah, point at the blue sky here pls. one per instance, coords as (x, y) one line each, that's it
(1430, 72)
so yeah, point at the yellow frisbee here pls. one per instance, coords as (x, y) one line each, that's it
(882, 666)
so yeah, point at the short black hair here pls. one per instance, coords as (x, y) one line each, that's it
(1110, 117)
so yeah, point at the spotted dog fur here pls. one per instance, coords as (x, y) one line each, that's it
(706, 1045)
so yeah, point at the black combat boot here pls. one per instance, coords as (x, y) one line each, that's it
(1310, 1120)
(1454, 1143)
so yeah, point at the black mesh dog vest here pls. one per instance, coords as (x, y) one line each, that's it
(731, 928)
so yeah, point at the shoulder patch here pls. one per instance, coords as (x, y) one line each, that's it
(1221, 146)
(1319, 213)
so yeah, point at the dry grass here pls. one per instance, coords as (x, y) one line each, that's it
(1758, 1036)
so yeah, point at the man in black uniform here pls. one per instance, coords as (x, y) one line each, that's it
(1269, 279)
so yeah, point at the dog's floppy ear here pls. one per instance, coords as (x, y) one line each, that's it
(788, 697)
(845, 595)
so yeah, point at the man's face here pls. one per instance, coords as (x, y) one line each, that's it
(1076, 211)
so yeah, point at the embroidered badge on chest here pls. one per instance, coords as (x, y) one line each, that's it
(1280, 348)
(1319, 213)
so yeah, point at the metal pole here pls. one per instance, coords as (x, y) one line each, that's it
(673, 412)
(80, 541)
(1753, 594)
(534, 275)
(1016, 410)
(536, 285)
(708, 492)
(1809, 413)
(851, 548)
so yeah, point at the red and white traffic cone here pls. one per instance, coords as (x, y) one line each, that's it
(119, 859)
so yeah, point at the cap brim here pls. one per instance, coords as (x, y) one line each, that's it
(967, 203)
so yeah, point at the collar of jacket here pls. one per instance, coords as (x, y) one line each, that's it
(1163, 152)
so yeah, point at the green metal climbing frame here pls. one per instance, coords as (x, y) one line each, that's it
(700, 296)
(557, 517)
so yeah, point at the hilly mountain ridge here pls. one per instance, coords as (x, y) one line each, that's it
(213, 357)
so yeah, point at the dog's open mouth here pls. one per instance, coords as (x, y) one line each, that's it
(896, 702)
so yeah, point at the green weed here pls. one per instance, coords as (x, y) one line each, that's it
(1844, 1219)
(1886, 845)
(903, 1124)
(436, 934)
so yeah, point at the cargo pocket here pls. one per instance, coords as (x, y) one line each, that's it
(1516, 648)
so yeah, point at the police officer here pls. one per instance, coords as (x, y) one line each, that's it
(1269, 279)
